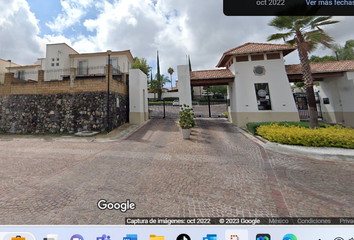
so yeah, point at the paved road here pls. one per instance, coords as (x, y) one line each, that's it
(218, 172)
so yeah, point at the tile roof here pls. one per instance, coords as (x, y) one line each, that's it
(259, 47)
(249, 48)
(323, 67)
(211, 74)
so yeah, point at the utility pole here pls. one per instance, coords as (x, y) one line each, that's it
(109, 73)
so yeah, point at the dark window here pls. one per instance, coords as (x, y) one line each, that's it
(57, 59)
(263, 97)
(242, 59)
(257, 57)
(52, 64)
(57, 64)
(271, 56)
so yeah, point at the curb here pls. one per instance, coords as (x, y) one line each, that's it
(320, 153)
(83, 139)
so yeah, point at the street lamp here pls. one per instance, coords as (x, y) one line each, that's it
(109, 64)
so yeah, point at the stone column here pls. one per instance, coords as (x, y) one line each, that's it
(40, 76)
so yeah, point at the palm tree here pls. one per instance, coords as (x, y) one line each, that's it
(171, 71)
(163, 80)
(154, 86)
(305, 33)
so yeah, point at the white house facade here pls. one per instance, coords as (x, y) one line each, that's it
(61, 59)
(258, 87)
(336, 89)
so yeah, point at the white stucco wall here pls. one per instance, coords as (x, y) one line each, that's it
(31, 73)
(138, 94)
(340, 92)
(276, 77)
(55, 51)
(184, 85)
(242, 94)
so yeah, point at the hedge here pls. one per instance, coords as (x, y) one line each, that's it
(252, 126)
(329, 136)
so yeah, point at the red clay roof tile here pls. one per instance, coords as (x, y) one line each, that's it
(323, 67)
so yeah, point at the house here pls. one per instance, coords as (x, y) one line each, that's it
(61, 59)
(4, 64)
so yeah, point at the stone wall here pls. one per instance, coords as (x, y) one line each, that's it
(63, 112)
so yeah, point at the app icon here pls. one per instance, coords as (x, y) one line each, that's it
(154, 237)
(131, 237)
(210, 237)
(183, 237)
(289, 236)
(18, 237)
(77, 237)
(263, 236)
(236, 235)
(51, 237)
(104, 237)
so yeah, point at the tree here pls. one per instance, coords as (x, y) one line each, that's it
(141, 64)
(218, 90)
(163, 80)
(305, 33)
(154, 86)
(345, 52)
(326, 58)
(158, 76)
(171, 71)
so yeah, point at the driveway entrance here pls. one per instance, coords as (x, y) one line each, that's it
(219, 172)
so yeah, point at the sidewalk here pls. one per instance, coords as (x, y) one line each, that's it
(120, 133)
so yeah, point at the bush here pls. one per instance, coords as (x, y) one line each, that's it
(252, 126)
(329, 136)
(186, 117)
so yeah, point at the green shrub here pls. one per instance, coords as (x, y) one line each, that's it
(252, 126)
(329, 136)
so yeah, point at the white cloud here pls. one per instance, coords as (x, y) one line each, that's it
(73, 12)
(19, 33)
(175, 28)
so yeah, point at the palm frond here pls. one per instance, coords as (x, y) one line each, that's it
(282, 22)
(278, 36)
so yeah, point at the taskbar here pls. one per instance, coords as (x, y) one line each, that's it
(237, 221)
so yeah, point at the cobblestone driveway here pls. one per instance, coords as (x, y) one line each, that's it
(218, 172)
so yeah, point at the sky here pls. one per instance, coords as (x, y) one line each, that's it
(197, 28)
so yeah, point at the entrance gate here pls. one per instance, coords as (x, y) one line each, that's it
(210, 107)
(163, 108)
(302, 105)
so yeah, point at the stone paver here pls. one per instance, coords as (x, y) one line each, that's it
(219, 172)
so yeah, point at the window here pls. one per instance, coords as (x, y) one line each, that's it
(57, 64)
(259, 70)
(83, 69)
(57, 59)
(271, 56)
(53, 59)
(21, 75)
(242, 59)
(263, 97)
(114, 63)
(52, 64)
(257, 57)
